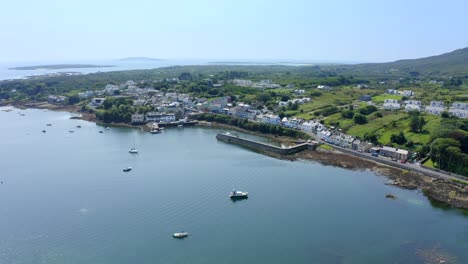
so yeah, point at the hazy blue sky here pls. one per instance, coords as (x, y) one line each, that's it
(331, 30)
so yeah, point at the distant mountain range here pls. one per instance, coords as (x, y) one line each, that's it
(452, 63)
(140, 59)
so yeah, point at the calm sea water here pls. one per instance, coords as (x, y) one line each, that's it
(64, 199)
(7, 74)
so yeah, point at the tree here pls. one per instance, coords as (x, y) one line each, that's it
(445, 114)
(347, 114)
(414, 124)
(422, 122)
(398, 139)
(360, 119)
(285, 98)
(294, 106)
(264, 97)
(73, 99)
(187, 76)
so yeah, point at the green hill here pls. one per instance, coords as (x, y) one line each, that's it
(451, 63)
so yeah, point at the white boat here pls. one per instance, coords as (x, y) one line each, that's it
(127, 169)
(238, 195)
(180, 235)
(107, 128)
(155, 131)
(180, 125)
(133, 150)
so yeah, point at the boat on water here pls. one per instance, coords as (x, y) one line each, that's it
(133, 151)
(155, 131)
(43, 131)
(100, 131)
(78, 126)
(127, 169)
(107, 128)
(180, 235)
(71, 131)
(48, 124)
(238, 195)
(180, 125)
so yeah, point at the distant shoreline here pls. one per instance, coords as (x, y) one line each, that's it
(59, 67)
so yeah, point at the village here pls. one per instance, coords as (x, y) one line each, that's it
(170, 107)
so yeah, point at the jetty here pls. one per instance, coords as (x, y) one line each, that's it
(260, 146)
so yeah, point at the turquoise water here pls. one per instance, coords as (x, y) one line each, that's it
(65, 199)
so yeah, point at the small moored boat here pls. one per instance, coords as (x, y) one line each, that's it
(100, 131)
(180, 235)
(133, 150)
(49, 125)
(238, 195)
(43, 131)
(78, 126)
(127, 169)
(107, 128)
(155, 131)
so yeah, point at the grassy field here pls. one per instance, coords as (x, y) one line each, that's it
(339, 97)
(392, 122)
(429, 163)
(376, 124)
(325, 146)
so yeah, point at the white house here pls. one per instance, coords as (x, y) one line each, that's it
(391, 104)
(138, 118)
(460, 105)
(412, 107)
(271, 119)
(391, 91)
(111, 88)
(97, 101)
(413, 102)
(407, 93)
(461, 113)
(159, 117)
(435, 108)
(459, 109)
(299, 92)
(324, 87)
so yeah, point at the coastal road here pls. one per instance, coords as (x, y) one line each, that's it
(387, 161)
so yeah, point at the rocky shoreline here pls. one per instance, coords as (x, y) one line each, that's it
(447, 192)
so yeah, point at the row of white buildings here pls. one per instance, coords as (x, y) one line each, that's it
(459, 109)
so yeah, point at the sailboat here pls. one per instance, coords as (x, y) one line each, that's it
(133, 150)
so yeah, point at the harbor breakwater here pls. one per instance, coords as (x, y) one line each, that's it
(259, 146)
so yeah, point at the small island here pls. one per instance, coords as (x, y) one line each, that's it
(59, 67)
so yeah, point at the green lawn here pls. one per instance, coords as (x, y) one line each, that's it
(325, 146)
(429, 163)
(374, 125)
